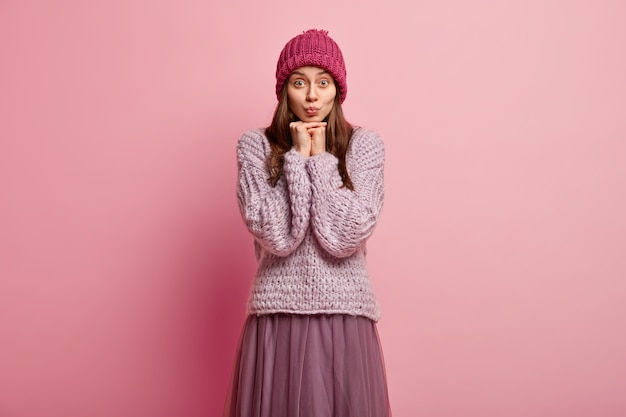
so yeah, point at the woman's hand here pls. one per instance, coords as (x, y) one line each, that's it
(318, 139)
(309, 138)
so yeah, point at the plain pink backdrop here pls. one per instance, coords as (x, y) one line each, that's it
(500, 261)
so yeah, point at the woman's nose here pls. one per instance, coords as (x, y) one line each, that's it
(311, 94)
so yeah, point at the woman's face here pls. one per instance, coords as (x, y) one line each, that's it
(311, 93)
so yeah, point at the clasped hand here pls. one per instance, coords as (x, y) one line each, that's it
(309, 138)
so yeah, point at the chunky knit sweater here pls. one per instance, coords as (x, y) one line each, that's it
(309, 232)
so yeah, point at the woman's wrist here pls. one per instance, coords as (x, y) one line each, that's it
(302, 151)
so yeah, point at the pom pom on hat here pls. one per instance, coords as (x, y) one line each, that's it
(312, 47)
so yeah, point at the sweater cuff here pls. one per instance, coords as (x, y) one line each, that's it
(296, 175)
(323, 170)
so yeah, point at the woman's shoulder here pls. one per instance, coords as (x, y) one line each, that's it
(254, 135)
(253, 138)
(366, 139)
(253, 144)
(360, 133)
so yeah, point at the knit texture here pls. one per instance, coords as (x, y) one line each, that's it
(309, 233)
(313, 47)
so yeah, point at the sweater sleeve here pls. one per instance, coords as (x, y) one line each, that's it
(343, 219)
(278, 216)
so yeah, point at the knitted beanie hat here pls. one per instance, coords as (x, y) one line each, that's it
(313, 47)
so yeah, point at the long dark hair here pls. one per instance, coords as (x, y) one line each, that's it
(338, 134)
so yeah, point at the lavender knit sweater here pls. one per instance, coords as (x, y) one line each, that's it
(309, 233)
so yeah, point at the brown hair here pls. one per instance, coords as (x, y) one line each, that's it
(338, 133)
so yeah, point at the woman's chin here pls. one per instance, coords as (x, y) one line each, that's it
(309, 118)
(316, 118)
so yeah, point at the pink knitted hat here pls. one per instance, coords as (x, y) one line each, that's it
(313, 47)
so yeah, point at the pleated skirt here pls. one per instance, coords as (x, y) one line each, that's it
(291, 365)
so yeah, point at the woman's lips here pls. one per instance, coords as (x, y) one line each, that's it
(311, 111)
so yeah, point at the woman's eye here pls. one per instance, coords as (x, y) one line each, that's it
(324, 83)
(298, 83)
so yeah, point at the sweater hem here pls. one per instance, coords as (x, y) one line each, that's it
(373, 316)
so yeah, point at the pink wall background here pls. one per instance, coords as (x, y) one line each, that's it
(499, 263)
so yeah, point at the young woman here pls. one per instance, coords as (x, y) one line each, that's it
(310, 191)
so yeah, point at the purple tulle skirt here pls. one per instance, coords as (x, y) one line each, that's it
(308, 366)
